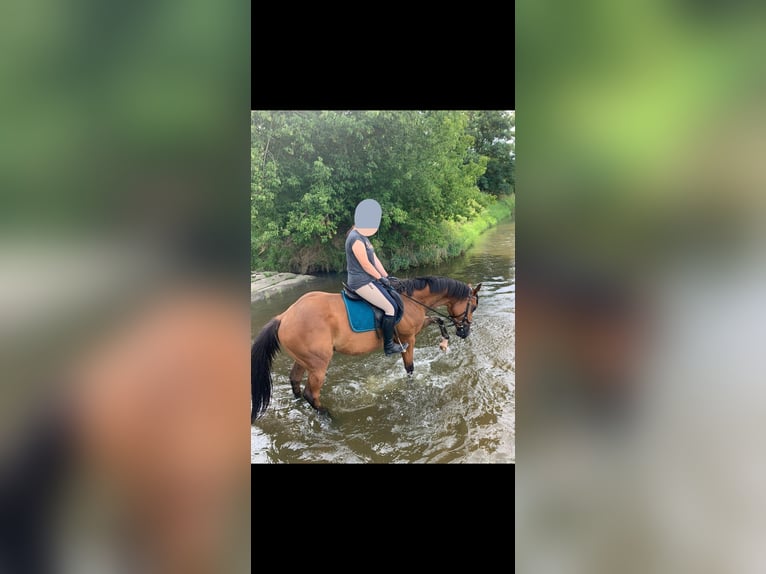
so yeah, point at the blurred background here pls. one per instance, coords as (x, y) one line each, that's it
(124, 299)
(641, 282)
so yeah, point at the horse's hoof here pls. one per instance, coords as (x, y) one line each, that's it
(320, 409)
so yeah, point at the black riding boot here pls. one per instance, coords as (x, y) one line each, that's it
(387, 326)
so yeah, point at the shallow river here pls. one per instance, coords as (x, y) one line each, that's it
(458, 407)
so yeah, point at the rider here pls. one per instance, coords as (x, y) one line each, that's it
(366, 275)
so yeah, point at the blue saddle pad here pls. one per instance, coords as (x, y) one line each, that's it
(361, 316)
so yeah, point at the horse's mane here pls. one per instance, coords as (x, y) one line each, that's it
(452, 287)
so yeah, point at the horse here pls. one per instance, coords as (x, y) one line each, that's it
(316, 326)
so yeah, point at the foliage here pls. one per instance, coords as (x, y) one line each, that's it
(494, 139)
(309, 170)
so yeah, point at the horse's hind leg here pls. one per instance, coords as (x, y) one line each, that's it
(313, 387)
(296, 375)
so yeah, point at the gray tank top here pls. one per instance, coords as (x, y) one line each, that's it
(358, 277)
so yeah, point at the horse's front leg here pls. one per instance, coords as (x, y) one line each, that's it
(409, 355)
(444, 343)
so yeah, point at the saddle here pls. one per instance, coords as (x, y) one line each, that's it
(364, 316)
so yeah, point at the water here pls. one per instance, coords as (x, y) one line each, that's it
(457, 407)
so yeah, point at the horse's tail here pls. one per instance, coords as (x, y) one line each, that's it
(262, 353)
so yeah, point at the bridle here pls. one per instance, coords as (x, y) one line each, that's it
(461, 328)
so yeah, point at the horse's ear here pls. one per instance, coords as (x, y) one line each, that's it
(477, 289)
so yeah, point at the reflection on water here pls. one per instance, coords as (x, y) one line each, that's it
(457, 407)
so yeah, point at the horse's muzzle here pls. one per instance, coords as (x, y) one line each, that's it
(462, 331)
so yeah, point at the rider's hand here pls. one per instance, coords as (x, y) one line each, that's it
(385, 282)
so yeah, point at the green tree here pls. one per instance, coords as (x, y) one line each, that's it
(310, 170)
(494, 138)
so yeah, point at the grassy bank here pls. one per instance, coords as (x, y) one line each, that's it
(458, 237)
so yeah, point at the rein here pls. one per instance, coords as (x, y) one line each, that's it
(463, 321)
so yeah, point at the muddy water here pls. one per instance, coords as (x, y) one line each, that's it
(458, 407)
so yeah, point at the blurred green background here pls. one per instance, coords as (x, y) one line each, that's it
(640, 320)
(124, 178)
(123, 155)
(116, 115)
(636, 116)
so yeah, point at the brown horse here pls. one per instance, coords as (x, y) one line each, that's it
(316, 326)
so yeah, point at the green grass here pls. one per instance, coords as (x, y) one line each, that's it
(458, 237)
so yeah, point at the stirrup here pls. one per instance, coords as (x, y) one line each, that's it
(395, 348)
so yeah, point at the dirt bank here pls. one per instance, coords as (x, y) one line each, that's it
(264, 284)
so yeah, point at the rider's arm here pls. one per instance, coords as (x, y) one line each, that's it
(379, 266)
(361, 255)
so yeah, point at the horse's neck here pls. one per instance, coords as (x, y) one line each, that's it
(431, 299)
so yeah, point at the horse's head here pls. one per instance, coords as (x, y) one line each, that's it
(461, 311)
